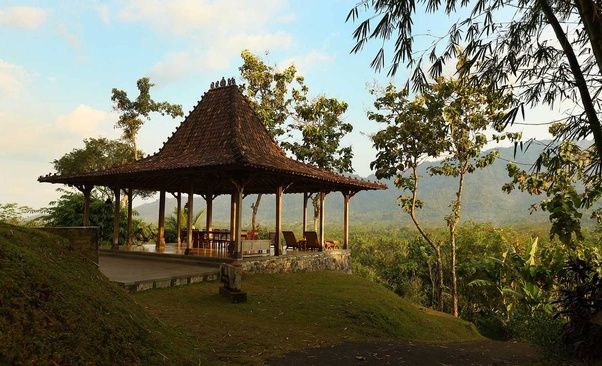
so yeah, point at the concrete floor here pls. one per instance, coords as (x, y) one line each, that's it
(134, 269)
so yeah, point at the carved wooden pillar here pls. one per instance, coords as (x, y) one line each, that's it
(129, 192)
(178, 220)
(116, 219)
(209, 199)
(305, 198)
(238, 220)
(161, 225)
(277, 243)
(322, 199)
(346, 197)
(190, 211)
(233, 229)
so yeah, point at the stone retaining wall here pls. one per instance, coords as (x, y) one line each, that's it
(332, 260)
(83, 240)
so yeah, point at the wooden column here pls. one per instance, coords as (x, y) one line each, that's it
(305, 198)
(128, 236)
(238, 218)
(87, 190)
(190, 211)
(233, 229)
(321, 236)
(178, 220)
(161, 224)
(116, 218)
(346, 197)
(209, 200)
(277, 243)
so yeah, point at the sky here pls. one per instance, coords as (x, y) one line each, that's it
(59, 61)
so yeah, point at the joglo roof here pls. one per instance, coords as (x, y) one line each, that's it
(221, 142)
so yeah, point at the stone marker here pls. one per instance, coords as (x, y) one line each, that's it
(231, 276)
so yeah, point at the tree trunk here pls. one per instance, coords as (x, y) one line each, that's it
(439, 277)
(586, 99)
(255, 207)
(436, 247)
(453, 222)
(316, 203)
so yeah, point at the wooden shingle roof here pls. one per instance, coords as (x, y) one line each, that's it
(220, 142)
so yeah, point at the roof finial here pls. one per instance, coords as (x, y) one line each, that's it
(212, 85)
(223, 82)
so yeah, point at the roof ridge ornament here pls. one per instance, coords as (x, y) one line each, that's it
(222, 83)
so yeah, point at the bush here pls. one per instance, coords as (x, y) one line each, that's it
(580, 300)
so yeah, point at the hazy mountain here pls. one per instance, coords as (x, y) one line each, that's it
(483, 201)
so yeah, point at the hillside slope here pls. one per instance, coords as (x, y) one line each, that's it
(57, 309)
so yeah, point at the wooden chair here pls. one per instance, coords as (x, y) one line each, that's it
(291, 241)
(312, 241)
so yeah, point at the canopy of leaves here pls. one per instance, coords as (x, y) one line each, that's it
(270, 91)
(97, 154)
(547, 52)
(133, 112)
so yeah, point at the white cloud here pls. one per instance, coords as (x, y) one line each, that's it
(26, 17)
(104, 14)
(186, 16)
(311, 61)
(71, 38)
(82, 122)
(13, 79)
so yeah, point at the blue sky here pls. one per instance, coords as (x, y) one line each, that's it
(59, 61)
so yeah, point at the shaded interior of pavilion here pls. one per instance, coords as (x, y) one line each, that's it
(221, 148)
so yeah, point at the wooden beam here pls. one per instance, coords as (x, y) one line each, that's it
(178, 220)
(305, 198)
(128, 237)
(321, 237)
(190, 211)
(346, 198)
(161, 225)
(277, 243)
(116, 219)
(233, 228)
(238, 218)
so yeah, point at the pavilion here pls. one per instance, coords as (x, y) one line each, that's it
(222, 147)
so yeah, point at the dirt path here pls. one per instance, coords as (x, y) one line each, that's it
(412, 353)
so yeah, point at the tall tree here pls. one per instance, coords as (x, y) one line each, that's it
(547, 51)
(449, 121)
(271, 93)
(280, 98)
(133, 112)
(468, 111)
(412, 135)
(322, 129)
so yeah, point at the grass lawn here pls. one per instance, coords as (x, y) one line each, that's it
(288, 312)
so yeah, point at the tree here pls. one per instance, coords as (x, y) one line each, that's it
(69, 210)
(132, 112)
(280, 99)
(269, 92)
(468, 111)
(97, 154)
(449, 119)
(322, 129)
(412, 135)
(12, 213)
(547, 51)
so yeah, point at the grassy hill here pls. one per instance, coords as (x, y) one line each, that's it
(56, 308)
